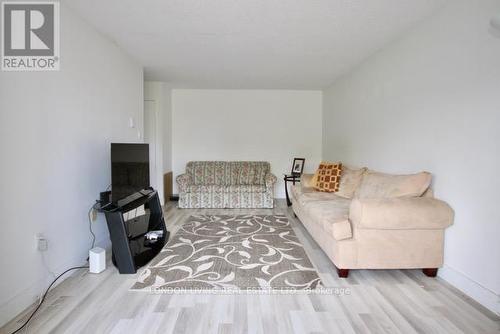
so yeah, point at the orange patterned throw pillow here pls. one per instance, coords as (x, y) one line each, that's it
(328, 176)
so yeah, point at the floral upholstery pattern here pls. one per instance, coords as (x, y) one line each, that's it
(226, 184)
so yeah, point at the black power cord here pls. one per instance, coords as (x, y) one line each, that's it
(44, 295)
(73, 268)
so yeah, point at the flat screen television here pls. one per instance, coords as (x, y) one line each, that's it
(129, 169)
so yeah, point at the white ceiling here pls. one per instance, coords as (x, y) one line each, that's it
(293, 44)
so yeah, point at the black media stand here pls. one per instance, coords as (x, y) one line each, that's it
(131, 246)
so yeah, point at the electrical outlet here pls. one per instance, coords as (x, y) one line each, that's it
(41, 243)
(93, 215)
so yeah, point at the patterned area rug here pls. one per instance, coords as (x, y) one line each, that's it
(231, 252)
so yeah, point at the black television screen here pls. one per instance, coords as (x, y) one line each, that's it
(129, 169)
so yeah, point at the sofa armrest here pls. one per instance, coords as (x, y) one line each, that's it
(183, 181)
(342, 230)
(400, 214)
(270, 180)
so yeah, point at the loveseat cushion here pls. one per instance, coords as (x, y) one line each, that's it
(261, 171)
(247, 175)
(380, 185)
(248, 172)
(209, 172)
(218, 188)
(253, 188)
(400, 213)
(228, 172)
(209, 188)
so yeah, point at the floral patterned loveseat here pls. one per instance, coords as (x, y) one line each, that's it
(226, 184)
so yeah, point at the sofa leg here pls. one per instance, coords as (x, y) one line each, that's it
(430, 272)
(343, 273)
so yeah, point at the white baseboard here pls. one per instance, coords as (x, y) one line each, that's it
(471, 288)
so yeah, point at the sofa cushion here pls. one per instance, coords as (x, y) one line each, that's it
(246, 175)
(332, 216)
(248, 172)
(208, 172)
(314, 178)
(260, 173)
(350, 179)
(218, 188)
(209, 188)
(198, 172)
(241, 188)
(328, 176)
(307, 180)
(380, 185)
(331, 210)
(228, 172)
(298, 189)
(306, 195)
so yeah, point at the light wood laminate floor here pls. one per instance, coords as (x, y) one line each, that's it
(380, 301)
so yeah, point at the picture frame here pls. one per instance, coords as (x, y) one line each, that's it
(298, 166)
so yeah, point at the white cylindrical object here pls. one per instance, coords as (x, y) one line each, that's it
(97, 260)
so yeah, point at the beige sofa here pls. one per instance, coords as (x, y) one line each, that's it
(375, 221)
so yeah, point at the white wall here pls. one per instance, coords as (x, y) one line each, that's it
(431, 101)
(160, 94)
(55, 133)
(267, 125)
(167, 127)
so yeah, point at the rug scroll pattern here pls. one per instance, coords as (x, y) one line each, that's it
(231, 252)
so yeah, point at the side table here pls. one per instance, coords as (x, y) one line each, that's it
(290, 178)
